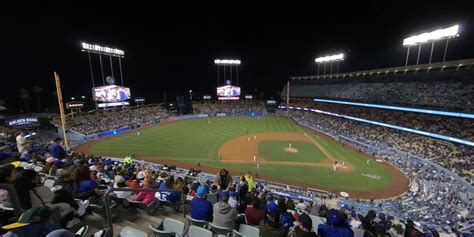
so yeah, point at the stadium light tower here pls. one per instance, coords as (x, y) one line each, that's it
(230, 63)
(106, 51)
(433, 36)
(329, 59)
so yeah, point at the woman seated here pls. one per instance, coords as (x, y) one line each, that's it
(86, 188)
(33, 194)
(146, 198)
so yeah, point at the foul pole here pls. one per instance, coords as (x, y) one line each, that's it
(288, 98)
(61, 107)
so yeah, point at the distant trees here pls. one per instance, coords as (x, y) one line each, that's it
(24, 94)
(37, 90)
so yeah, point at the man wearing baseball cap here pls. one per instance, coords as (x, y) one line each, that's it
(224, 215)
(201, 208)
(34, 220)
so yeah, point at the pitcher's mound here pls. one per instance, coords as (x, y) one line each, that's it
(291, 150)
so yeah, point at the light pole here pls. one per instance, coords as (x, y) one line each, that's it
(191, 99)
(329, 59)
(430, 37)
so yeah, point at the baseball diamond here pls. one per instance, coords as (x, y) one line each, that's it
(232, 142)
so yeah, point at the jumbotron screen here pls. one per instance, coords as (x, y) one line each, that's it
(111, 93)
(228, 92)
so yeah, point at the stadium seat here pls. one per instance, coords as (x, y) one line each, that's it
(198, 223)
(212, 197)
(249, 230)
(132, 232)
(316, 221)
(49, 183)
(149, 209)
(220, 231)
(195, 231)
(168, 227)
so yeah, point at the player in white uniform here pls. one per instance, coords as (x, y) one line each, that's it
(254, 158)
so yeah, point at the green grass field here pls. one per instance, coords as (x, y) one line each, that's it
(198, 140)
(274, 151)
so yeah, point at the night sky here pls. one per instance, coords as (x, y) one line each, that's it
(172, 48)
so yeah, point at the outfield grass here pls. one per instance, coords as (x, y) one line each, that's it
(198, 140)
(275, 151)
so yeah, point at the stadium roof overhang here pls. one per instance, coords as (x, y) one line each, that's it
(393, 70)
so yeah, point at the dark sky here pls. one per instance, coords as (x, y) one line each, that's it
(172, 48)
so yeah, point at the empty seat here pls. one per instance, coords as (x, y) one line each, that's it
(132, 232)
(195, 231)
(316, 221)
(220, 231)
(168, 227)
(249, 230)
(49, 183)
(198, 223)
(212, 197)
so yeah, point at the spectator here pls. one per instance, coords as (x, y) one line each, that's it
(336, 226)
(223, 214)
(201, 209)
(223, 180)
(269, 226)
(22, 144)
(147, 198)
(253, 213)
(56, 150)
(305, 229)
(87, 188)
(411, 230)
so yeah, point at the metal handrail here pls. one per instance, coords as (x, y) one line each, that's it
(108, 216)
(15, 201)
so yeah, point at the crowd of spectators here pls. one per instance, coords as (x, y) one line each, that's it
(451, 126)
(81, 181)
(452, 89)
(432, 191)
(229, 107)
(455, 157)
(116, 118)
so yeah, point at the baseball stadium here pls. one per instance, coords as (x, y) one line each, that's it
(137, 131)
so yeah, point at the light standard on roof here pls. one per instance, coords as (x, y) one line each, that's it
(191, 99)
(230, 63)
(329, 59)
(437, 35)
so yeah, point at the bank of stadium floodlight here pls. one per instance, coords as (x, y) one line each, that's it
(93, 48)
(106, 51)
(433, 36)
(329, 59)
(230, 63)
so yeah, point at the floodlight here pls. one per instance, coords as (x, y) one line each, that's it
(330, 58)
(93, 48)
(436, 35)
(227, 62)
(72, 98)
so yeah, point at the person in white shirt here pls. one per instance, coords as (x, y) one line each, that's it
(21, 143)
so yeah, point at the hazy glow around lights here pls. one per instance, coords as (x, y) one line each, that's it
(330, 58)
(227, 62)
(432, 36)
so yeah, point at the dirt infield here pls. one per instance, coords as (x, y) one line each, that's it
(243, 149)
(398, 185)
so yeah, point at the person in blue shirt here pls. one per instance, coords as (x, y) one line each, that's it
(56, 150)
(336, 226)
(201, 208)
